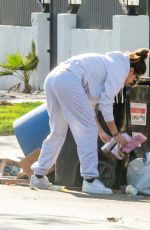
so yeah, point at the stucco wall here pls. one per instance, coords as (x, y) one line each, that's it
(86, 40)
(41, 36)
(16, 38)
(12, 39)
(128, 33)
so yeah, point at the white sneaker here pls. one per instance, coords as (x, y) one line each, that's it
(96, 187)
(41, 183)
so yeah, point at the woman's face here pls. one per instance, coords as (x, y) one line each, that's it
(132, 76)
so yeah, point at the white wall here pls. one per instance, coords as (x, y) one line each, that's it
(86, 40)
(12, 39)
(72, 41)
(41, 36)
(16, 38)
(66, 22)
(128, 33)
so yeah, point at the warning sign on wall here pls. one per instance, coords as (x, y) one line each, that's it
(138, 113)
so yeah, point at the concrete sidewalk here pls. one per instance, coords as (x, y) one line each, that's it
(9, 145)
(26, 209)
(21, 97)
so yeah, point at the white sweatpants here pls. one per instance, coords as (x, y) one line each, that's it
(68, 104)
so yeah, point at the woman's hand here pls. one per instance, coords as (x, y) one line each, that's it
(119, 138)
(104, 136)
(121, 141)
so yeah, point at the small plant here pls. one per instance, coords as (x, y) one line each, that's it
(20, 66)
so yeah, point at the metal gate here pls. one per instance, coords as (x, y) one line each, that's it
(18, 12)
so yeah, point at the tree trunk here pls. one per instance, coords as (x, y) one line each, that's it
(27, 87)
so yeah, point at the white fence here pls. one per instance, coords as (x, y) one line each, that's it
(128, 33)
(16, 38)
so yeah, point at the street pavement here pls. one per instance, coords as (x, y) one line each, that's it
(22, 208)
(10, 146)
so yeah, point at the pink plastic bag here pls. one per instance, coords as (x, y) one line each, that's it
(136, 140)
(133, 142)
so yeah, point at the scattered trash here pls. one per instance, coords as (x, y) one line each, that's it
(9, 165)
(60, 188)
(2, 165)
(135, 141)
(111, 147)
(119, 152)
(138, 175)
(17, 171)
(53, 188)
(12, 180)
(26, 162)
(34, 188)
(130, 190)
(57, 188)
(23, 176)
(114, 219)
(11, 170)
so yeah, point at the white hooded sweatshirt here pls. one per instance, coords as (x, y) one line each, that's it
(102, 77)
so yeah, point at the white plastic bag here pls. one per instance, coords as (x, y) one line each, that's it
(138, 175)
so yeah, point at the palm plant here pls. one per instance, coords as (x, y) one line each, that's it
(21, 66)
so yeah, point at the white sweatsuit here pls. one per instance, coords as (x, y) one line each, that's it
(71, 89)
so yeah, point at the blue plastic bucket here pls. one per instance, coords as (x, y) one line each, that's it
(32, 128)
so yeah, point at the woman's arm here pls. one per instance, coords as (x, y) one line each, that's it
(102, 134)
(116, 134)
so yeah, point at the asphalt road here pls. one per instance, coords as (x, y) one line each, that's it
(22, 208)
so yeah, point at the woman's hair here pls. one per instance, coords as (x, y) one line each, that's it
(137, 60)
